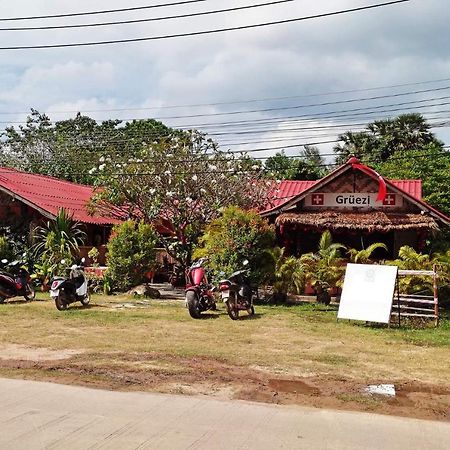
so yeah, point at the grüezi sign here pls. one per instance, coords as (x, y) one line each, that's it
(351, 199)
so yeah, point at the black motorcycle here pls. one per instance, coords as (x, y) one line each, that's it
(15, 282)
(237, 294)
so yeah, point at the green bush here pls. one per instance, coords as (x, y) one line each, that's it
(131, 253)
(6, 251)
(236, 236)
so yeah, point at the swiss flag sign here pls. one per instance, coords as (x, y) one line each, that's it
(389, 200)
(317, 199)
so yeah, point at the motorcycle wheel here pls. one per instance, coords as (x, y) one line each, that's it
(30, 293)
(232, 311)
(60, 304)
(2, 299)
(192, 303)
(86, 300)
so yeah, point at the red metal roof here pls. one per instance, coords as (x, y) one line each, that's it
(50, 194)
(288, 189)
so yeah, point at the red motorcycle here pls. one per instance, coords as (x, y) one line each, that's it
(199, 295)
(15, 282)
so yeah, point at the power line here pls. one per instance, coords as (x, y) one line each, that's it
(108, 139)
(235, 102)
(302, 106)
(261, 169)
(204, 32)
(326, 115)
(106, 11)
(151, 19)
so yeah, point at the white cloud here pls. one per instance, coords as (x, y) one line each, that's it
(397, 44)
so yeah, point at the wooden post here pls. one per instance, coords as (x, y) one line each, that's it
(398, 301)
(435, 295)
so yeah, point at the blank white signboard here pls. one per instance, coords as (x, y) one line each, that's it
(368, 292)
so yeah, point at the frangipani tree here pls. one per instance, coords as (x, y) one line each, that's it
(179, 184)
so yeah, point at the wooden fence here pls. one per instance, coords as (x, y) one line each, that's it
(416, 305)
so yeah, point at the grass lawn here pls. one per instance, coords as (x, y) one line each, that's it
(284, 354)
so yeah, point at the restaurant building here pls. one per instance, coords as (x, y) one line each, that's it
(358, 206)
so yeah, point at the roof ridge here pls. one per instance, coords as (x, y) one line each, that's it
(40, 175)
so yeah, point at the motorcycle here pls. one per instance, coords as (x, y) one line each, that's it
(65, 291)
(199, 294)
(16, 282)
(237, 294)
(177, 276)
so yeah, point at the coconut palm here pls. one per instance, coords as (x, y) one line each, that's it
(363, 256)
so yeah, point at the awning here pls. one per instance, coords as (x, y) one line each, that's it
(368, 221)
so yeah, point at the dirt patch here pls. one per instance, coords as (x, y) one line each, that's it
(22, 352)
(220, 379)
(293, 387)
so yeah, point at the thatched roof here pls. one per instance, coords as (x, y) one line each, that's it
(369, 221)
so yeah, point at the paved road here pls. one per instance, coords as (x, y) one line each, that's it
(37, 415)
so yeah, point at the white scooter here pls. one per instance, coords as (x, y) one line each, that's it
(69, 290)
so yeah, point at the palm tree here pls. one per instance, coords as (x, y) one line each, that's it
(409, 259)
(59, 239)
(325, 267)
(363, 256)
(288, 274)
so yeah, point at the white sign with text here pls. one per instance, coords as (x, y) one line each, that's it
(351, 199)
(368, 292)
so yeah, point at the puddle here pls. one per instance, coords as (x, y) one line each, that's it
(293, 387)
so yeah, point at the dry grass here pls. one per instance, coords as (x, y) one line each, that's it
(296, 341)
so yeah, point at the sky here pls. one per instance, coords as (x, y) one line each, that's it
(213, 78)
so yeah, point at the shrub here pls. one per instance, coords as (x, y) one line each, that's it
(6, 251)
(93, 256)
(236, 236)
(131, 253)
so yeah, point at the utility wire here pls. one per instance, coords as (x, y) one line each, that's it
(204, 32)
(106, 11)
(302, 106)
(235, 102)
(151, 19)
(237, 171)
(326, 115)
(130, 137)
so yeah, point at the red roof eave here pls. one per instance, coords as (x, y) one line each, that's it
(48, 194)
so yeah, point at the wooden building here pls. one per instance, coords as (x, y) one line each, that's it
(358, 206)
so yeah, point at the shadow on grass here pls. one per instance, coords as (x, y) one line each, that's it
(22, 301)
(73, 307)
(206, 316)
(255, 316)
